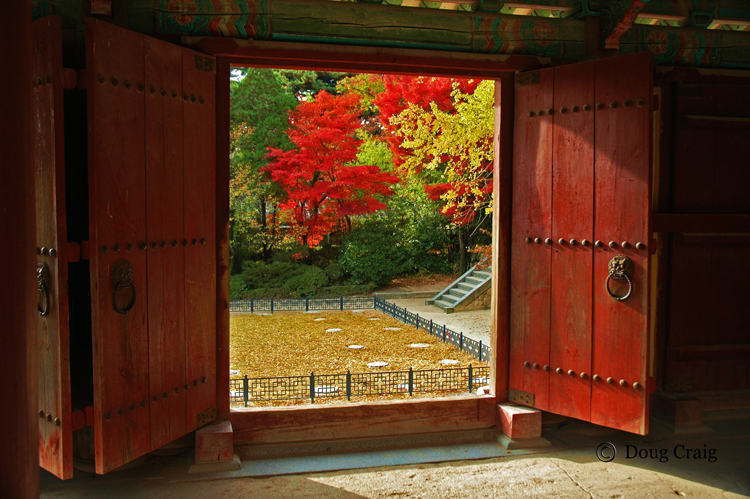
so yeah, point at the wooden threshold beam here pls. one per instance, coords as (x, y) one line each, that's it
(356, 420)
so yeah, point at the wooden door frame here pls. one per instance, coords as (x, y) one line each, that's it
(290, 424)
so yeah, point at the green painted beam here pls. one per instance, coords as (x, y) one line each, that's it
(690, 46)
(363, 24)
(366, 24)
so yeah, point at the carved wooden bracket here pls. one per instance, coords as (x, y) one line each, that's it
(618, 17)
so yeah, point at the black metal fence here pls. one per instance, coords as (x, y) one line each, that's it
(250, 390)
(302, 304)
(465, 344)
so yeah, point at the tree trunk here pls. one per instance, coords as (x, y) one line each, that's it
(463, 250)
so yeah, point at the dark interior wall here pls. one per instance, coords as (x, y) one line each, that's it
(708, 343)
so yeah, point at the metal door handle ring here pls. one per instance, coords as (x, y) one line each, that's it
(43, 282)
(44, 311)
(626, 295)
(122, 286)
(122, 277)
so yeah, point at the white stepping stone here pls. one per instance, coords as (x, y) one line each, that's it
(237, 394)
(333, 330)
(402, 386)
(233, 372)
(393, 329)
(326, 389)
(420, 345)
(379, 363)
(449, 362)
(312, 312)
(374, 319)
(481, 381)
(319, 319)
(355, 347)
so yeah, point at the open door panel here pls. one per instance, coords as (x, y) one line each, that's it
(580, 247)
(55, 419)
(152, 204)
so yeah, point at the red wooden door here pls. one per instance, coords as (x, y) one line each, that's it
(581, 195)
(152, 191)
(55, 424)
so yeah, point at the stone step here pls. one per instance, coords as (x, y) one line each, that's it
(483, 274)
(447, 297)
(448, 307)
(464, 286)
(473, 280)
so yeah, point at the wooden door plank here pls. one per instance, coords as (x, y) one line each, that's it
(223, 102)
(502, 193)
(53, 343)
(532, 206)
(695, 158)
(200, 231)
(166, 263)
(622, 213)
(690, 292)
(572, 222)
(117, 203)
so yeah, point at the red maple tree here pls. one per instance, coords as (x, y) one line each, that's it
(322, 182)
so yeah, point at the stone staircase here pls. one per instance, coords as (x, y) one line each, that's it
(471, 291)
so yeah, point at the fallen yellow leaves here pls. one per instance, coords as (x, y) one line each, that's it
(296, 344)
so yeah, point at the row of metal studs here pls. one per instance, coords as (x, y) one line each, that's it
(141, 88)
(44, 251)
(48, 417)
(587, 107)
(154, 245)
(582, 375)
(585, 242)
(40, 81)
(120, 411)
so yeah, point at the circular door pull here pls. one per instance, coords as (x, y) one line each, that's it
(620, 269)
(122, 280)
(43, 279)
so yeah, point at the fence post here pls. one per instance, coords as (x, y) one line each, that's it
(471, 378)
(444, 333)
(462, 341)
(272, 304)
(417, 321)
(348, 385)
(244, 389)
(342, 302)
(480, 350)
(252, 305)
(431, 327)
(312, 388)
(307, 303)
(411, 382)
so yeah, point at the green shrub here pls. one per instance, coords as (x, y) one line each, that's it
(237, 288)
(430, 247)
(335, 273)
(269, 275)
(372, 253)
(269, 293)
(307, 283)
(348, 290)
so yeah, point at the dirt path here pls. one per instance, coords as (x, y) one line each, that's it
(475, 324)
